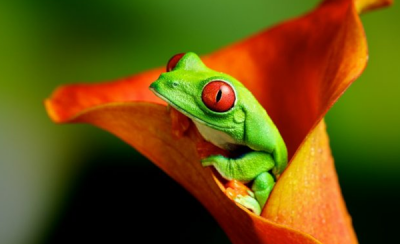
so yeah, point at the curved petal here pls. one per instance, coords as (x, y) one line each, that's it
(308, 196)
(368, 5)
(147, 127)
(68, 101)
(298, 69)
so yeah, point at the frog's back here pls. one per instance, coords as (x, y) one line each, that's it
(261, 134)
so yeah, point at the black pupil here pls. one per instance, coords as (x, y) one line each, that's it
(219, 95)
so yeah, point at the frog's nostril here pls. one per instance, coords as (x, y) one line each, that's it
(174, 84)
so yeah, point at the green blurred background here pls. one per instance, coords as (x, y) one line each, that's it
(76, 183)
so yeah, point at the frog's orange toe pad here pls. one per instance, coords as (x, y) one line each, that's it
(235, 188)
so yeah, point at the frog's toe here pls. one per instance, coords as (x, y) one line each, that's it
(240, 193)
(211, 160)
(207, 162)
(249, 203)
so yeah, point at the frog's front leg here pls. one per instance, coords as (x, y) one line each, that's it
(252, 166)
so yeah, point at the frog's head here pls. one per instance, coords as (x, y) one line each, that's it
(204, 95)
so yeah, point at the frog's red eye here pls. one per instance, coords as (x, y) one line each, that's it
(218, 96)
(173, 61)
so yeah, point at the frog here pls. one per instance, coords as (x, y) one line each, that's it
(227, 115)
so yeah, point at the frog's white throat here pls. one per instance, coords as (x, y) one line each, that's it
(216, 137)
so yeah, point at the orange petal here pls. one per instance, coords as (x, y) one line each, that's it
(367, 5)
(146, 127)
(179, 122)
(298, 69)
(308, 196)
(68, 101)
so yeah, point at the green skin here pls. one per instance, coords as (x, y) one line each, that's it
(246, 124)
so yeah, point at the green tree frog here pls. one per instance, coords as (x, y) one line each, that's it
(229, 116)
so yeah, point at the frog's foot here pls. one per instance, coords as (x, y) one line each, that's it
(241, 194)
(249, 203)
(211, 160)
(245, 168)
(262, 187)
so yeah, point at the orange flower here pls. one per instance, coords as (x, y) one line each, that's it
(296, 70)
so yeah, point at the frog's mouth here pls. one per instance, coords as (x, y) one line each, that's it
(184, 112)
